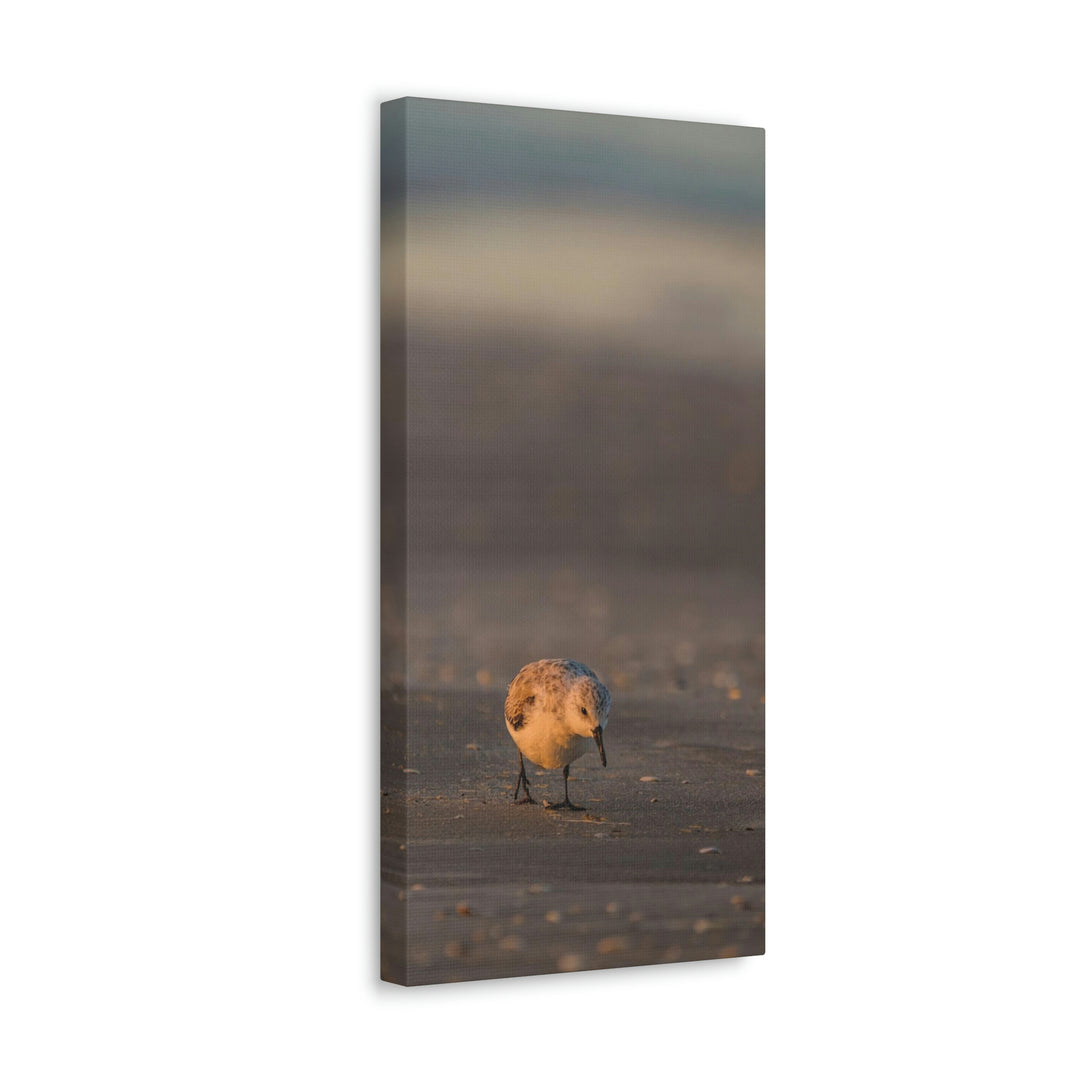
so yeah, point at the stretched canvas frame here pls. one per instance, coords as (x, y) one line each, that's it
(573, 444)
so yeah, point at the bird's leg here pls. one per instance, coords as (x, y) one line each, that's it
(522, 780)
(566, 804)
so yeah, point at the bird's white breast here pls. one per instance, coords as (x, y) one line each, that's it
(546, 741)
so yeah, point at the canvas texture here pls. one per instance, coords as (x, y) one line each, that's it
(573, 541)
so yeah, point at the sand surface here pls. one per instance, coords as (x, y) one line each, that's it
(482, 888)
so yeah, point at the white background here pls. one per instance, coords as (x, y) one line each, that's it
(188, 425)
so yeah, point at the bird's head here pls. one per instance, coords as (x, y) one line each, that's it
(587, 709)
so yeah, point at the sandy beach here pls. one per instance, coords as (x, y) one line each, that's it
(658, 870)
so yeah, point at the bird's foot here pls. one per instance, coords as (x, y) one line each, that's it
(566, 804)
(525, 799)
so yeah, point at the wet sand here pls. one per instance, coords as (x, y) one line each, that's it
(653, 871)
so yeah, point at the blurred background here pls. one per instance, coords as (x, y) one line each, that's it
(578, 425)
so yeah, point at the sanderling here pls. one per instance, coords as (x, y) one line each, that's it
(554, 709)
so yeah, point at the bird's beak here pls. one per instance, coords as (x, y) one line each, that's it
(598, 735)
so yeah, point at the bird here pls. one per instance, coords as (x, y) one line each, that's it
(554, 710)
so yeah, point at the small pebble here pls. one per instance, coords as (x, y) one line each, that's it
(570, 962)
(740, 902)
(463, 909)
(650, 779)
(745, 880)
(411, 770)
(654, 799)
(511, 943)
(553, 917)
(709, 851)
(701, 926)
(751, 772)
(612, 908)
(452, 950)
(472, 746)
(608, 945)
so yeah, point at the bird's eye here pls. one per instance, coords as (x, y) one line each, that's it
(584, 711)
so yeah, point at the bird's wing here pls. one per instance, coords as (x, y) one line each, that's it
(519, 699)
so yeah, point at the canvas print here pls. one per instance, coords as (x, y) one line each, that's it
(573, 541)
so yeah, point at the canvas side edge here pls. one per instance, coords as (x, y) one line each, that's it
(393, 562)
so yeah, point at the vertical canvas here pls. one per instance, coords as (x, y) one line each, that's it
(573, 471)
